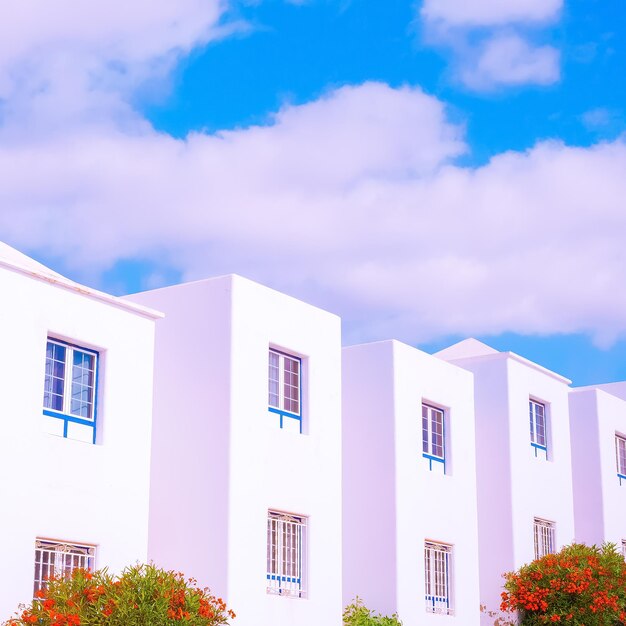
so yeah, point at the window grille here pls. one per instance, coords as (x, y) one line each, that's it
(624, 548)
(70, 380)
(286, 545)
(53, 559)
(620, 455)
(544, 537)
(537, 424)
(437, 566)
(433, 432)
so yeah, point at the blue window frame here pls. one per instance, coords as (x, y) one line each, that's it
(620, 457)
(538, 438)
(285, 386)
(70, 384)
(433, 434)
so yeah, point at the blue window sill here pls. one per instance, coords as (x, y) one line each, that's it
(285, 414)
(71, 418)
(621, 477)
(436, 459)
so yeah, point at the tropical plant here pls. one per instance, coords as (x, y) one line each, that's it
(140, 595)
(580, 586)
(357, 614)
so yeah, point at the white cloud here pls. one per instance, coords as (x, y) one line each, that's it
(488, 51)
(472, 13)
(508, 60)
(352, 201)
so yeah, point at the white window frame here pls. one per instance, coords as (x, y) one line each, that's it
(280, 405)
(544, 534)
(60, 558)
(438, 578)
(66, 410)
(620, 455)
(428, 432)
(624, 548)
(535, 439)
(286, 554)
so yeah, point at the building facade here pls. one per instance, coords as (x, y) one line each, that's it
(409, 480)
(76, 383)
(246, 466)
(523, 462)
(218, 428)
(598, 423)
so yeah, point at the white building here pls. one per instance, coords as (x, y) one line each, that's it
(409, 480)
(598, 425)
(436, 475)
(246, 466)
(523, 460)
(76, 387)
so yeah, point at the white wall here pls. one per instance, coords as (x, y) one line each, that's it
(515, 486)
(596, 417)
(393, 503)
(58, 488)
(243, 464)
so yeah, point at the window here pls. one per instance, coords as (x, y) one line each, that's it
(285, 386)
(437, 566)
(620, 456)
(544, 537)
(624, 548)
(537, 425)
(60, 559)
(433, 447)
(70, 384)
(286, 549)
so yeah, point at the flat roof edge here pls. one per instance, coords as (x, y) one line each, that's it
(70, 285)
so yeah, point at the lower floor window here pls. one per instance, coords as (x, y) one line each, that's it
(437, 569)
(624, 548)
(55, 559)
(286, 554)
(544, 537)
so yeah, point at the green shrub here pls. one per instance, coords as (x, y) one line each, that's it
(142, 595)
(357, 614)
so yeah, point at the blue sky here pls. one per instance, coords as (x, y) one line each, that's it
(429, 171)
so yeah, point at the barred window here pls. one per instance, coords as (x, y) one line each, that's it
(433, 432)
(437, 569)
(286, 554)
(620, 455)
(537, 424)
(54, 559)
(544, 537)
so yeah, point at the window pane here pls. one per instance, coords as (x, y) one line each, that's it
(83, 375)
(273, 373)
(425, 442)
(54, 377)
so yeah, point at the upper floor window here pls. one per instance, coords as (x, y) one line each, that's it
(538, 437)
(437, 570)
(70, 385)
(544, 532)
(58, 559)
(286, 552)
(285, 385)
(620, 455)
(433, 444)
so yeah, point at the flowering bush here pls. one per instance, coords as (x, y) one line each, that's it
(356, 614)
(580, 585)
(141, 595)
